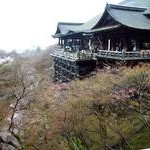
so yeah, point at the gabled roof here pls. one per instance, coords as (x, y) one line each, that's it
(65, 27)
(122, 14)
(135, 3)
(129, 16)
(89, 24)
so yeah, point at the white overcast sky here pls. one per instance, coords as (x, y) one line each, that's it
(26, 24)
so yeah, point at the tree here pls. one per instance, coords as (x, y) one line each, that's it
(18, 90)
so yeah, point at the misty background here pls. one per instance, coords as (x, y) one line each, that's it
(28, 24)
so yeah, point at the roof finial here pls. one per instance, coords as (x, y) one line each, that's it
(106, 2)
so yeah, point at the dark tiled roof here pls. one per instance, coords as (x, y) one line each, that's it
(130, 13)
(135, 3)
(89, 24)
(129, 16)
(65, 27)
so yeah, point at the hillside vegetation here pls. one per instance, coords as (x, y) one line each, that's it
(107, 111)
(110, 110)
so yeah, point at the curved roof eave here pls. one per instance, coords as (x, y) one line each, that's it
(145, 25)
(87, 25)
(66, 27)
(135, 3)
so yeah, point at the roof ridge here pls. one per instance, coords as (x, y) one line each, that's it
(70, 23)
(135, 3)
(131, 8)
(115, 14)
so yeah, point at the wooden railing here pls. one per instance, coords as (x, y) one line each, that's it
(143, 54)
(82, 55)
(87, 55)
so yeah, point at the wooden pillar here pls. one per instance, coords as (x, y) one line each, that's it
(138, 45)
(124, 44)
(109, 46)
(61, 43)
(58, 41)
(114, 44)
(89, 44)
(65, 43)
(82, 43)
(73, 41)
(105, 43)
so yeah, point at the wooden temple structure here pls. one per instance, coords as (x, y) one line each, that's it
(120, 34)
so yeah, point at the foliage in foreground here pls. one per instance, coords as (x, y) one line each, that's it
(107, 111)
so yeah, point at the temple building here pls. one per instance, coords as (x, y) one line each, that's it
(120, 34)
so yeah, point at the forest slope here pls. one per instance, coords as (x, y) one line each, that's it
(110, 110)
